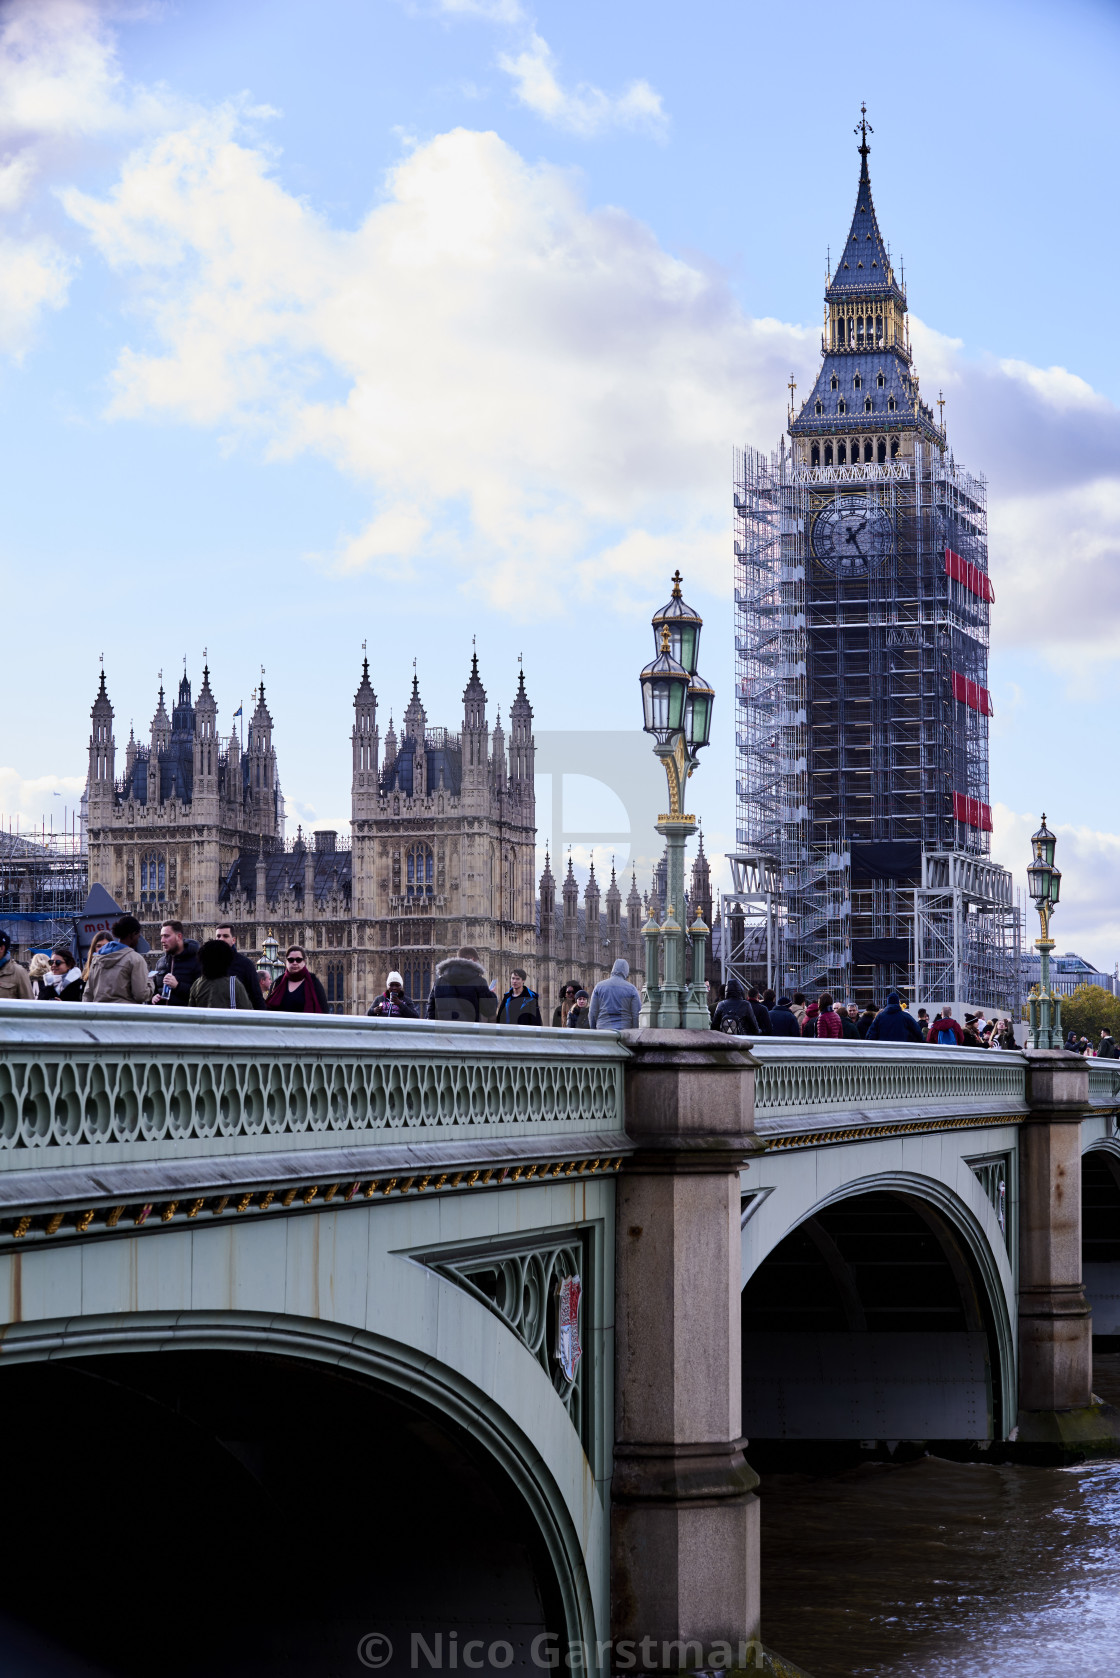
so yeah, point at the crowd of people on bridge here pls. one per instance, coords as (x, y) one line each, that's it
(756, 1013)
(216, 974)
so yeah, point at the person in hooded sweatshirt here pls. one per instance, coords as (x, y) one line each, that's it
(615, 1002)
(893, 1024)
(735, 1014)
(118, 972)
(461, 990)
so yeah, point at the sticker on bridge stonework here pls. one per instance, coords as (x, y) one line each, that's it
(568, 1349)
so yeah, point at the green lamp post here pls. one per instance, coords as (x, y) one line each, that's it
(1044, 883)
(677, 711)
(270, 966)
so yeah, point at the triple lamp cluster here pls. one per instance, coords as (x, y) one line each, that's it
(677, 707)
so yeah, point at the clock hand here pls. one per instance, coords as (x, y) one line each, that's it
(855, 544)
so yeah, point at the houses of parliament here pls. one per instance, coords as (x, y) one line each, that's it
(442, 850)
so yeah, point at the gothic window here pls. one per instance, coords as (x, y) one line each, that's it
(511, 886)
(867, 449)
(880, 381)
(841, 454)
(867, 404)
(815, 457)
(842, 406)
(834, 381)
(820, 406)
(890, 404)
(396, 873)
(417, 983)
(336, 987)
(153, 878)
(828, 454)
(859, 329)
(839, 339)
(894, 448)
(878, 328)
(421, 870)
(858, 382)
(881, 450)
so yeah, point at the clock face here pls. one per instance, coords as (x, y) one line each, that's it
(852, 536)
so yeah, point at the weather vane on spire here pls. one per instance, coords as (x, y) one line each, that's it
(863, 128)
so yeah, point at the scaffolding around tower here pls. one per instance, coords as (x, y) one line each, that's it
(862, 734)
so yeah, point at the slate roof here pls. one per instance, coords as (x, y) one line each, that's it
(863, 265)
(442, 760)
(845, 366)
(284, 872)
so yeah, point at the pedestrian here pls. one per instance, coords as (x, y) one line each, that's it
(1083, 1046)
(520, 1005)
(579, 1013)
(563, 1007)
(799, 1007)
(736, 1013)
(784, 1020)
(923, 1024)
(37, 970)
(972, 1038)
(297, 990)
(849, 1020)
(242, 968)
(392, 1003)
(118, 972)
(615, 1003)
(761, 1012)
(1071, 1042)
(892, 1024)
(64, 982)
(15, 981)
(809, 1022)
(177, 968)
(461, 990)
(217, 986)
(1106, 1048)
(1007, 1036)
(100, 939)
(866, 1020)
(945, 1032)
(828, 1020)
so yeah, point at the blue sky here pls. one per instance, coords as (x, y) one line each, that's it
(412, 322)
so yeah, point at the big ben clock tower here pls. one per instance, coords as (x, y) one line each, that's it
(863, 603)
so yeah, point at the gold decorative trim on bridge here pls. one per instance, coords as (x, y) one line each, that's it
(873, 1132)
(69, 1223)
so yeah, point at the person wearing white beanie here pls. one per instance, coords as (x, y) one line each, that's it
(393, 1002)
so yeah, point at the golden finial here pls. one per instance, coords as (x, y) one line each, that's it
(941, 406)
(664, 638)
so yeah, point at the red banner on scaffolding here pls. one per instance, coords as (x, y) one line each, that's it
(972, 811)
(972, 694)
(963, 571)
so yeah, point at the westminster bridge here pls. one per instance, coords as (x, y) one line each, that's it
(287, 1367)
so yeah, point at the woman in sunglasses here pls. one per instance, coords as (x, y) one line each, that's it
(64, 982)
(297, 991)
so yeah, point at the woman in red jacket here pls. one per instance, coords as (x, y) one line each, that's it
(828, 1020)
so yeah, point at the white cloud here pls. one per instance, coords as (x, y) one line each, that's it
(1087, 919)
(584, 109)
(529, 384)
(34, 275)
(28, 802)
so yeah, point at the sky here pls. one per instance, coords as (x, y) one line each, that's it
(408, 322)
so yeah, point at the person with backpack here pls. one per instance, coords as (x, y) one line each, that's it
(1106, 1048)
(734, 1014)
(216, 986)
(945, 1033)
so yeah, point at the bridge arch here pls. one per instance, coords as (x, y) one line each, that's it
(823, 1353)
(489, 1459)
(1100, 1238)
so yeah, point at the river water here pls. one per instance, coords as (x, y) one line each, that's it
(937, 1569)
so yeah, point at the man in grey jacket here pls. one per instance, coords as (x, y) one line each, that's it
(615, 1003)
(119, 972)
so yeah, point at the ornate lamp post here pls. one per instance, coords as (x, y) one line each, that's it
(677, 707)
(270, 964)
(1044, 883)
